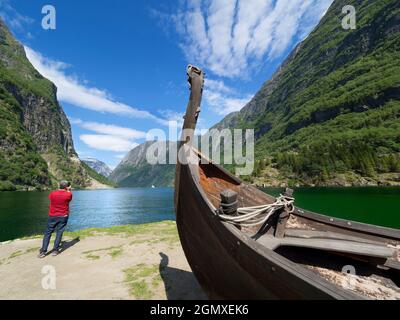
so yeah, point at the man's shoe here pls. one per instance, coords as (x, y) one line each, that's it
(56, 252)
(42, 255)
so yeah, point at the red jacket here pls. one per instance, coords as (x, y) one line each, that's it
(59, 203)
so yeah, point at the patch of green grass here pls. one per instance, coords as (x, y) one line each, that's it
(31, 237)
(140, 278)
(34, 249)
(91, 256)
(115, 253)
(156, 281)
(16, 254)
(19, 253)
(165, 227)
(140, 290)
(139, 241)
(153, 232)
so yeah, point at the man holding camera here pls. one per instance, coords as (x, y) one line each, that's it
(58, 217)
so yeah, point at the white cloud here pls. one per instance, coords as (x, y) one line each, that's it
(109, 129)
(223, 99)
(232, 37)
(109, 137)
(77, 93)
(108, 142)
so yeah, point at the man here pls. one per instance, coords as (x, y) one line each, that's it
(58, 217)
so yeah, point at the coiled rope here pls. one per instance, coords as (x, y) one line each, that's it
(253, 216)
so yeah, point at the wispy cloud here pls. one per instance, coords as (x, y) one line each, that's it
(223, 99)
(108, 143)
(76, 92)
(108, 137)
(15, 20)
(109, 129)
(232, 37)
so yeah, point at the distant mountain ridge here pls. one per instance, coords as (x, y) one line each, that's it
(330, 115)
(99, 166)
(135, 171)
(36, 147)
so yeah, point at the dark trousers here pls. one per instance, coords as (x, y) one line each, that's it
(57, 224)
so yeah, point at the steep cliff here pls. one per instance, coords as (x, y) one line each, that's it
(36, 147)
(331, 113)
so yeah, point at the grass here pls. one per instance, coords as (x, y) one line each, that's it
(166, 227)
(19, 253)
(141, 279)
(34, 249)
(91, 256)
(140, 289)
(16, 254)
(113, 252)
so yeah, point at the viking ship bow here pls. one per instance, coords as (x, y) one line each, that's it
(242, 243)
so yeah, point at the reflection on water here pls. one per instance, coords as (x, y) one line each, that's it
(25, 213)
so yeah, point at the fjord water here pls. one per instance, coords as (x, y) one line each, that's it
(25, 213)
(373, 205)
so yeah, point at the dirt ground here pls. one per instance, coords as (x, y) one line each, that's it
(129, 262)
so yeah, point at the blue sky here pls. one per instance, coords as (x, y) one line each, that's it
(120, 65)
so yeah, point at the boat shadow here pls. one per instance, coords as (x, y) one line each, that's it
(179, 284)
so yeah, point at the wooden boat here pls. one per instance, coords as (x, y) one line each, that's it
(297, 254)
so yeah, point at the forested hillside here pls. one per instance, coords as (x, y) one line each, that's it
(331, 113)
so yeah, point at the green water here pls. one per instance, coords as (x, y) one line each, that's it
(25, 213)
(373, 205)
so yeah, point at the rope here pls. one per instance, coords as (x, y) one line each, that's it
(253, 216)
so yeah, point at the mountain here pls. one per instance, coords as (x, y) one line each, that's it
(36, 147)
(330, 115)
(98, 166)
(135, 171)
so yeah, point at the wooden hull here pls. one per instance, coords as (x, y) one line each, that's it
(230, 265)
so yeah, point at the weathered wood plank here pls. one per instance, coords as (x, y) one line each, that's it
(312, 234)
(352, 247)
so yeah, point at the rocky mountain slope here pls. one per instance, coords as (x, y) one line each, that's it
(36, 147)
(99, 166)
(135, 171)
(331, 114)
